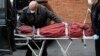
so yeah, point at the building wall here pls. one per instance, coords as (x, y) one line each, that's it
(70, 10)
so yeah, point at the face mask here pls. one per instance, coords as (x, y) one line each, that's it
(32, 11)
(90, 2)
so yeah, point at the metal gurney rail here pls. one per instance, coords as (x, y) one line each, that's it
(38, 37)
(64, 51)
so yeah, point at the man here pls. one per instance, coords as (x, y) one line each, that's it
(37, 15)
(95, 18)
(11, 23)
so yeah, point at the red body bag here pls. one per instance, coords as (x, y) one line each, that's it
(75, 30)
(25, 29)
(54, 30)
(88, 30)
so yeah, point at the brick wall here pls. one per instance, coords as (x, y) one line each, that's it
(70, 10)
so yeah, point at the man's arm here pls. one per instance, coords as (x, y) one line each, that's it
(22, 19)
(52, 16)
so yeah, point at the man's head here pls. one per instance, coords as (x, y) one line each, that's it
(33, 6)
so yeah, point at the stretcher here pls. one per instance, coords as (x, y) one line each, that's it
(34, 37)
(38, 37)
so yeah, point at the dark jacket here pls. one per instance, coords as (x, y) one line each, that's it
(11, 21)
(42, 15)
(95, 18)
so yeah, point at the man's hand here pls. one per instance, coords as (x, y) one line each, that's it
(95, 37)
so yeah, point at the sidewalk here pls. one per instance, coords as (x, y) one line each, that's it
(76, 49)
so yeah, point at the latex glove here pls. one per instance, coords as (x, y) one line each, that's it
(95, 37)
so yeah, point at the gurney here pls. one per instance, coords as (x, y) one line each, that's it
(41, 37)
(38, 36)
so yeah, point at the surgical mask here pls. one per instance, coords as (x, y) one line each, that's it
(90, 2)
(32, 11)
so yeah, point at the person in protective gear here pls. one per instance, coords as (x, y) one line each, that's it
(95, 18)
(37, 15)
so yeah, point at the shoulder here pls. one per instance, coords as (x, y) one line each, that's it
(97, 6)
(25, 8)
(41, 6)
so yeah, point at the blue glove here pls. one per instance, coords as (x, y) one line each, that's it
(95, 37)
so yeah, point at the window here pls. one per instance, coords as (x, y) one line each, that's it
(2, 12)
